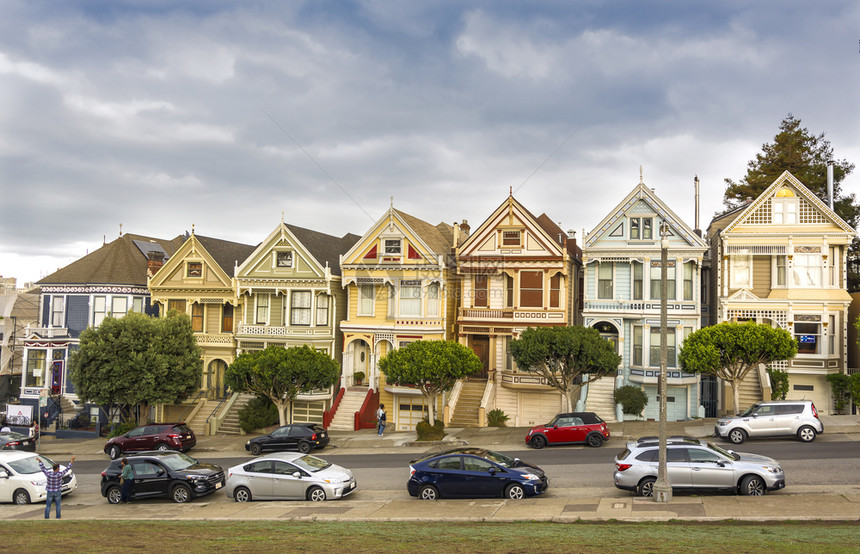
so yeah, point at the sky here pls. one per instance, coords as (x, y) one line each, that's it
(154, 117)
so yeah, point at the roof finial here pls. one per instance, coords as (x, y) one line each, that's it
(120, 229)
(641, 180)
(510, 190)
(192, 228)
(282, 217)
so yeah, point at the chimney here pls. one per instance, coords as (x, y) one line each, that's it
(154, 261)
(830, 185)
(697, 230)
(456, 234)
(464, 229)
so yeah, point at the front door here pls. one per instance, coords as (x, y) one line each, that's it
(56, 377)
(149, 478)
(286, 484)
(709, 469)
(482, 478)
(481, 348)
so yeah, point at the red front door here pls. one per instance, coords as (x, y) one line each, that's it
(56, 377)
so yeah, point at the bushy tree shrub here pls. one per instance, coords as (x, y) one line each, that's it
(778, 383)
(427, 432)
(122, 429)
(496, 418)
(632, 399)
(259, 413)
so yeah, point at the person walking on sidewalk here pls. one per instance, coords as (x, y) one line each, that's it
(54, 486)
(380, 419)
(125, 479)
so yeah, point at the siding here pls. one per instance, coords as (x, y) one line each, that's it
(591, 281)
(622, 282)
(761, 276)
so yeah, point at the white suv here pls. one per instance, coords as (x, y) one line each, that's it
(797, 418)
(21, 480)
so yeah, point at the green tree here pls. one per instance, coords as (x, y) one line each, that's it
(731, 350)
(282, 373)
(806, 156)
(562, 355)
(137, 360)
(433, 366)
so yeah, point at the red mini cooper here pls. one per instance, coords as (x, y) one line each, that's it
(570, 428)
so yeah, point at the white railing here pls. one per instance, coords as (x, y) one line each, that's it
(453, 398)
(48, 332)
(263, 330)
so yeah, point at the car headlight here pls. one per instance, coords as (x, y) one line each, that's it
(530, 476)
(773, 469)
(336, 481)
(39, 483)
(722, 423)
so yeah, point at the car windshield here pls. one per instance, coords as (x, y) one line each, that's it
(12, 436)
(724, 452)
(311, 464)
(178, 461)
(501, 459)
(31, 464)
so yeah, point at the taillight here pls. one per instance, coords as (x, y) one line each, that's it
(622, 467)
(104, 474)
(174, 436)
(314, 437)
(411, 471)
(814, 412)
(12, 443)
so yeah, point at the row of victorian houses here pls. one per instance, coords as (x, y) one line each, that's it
(779, 259)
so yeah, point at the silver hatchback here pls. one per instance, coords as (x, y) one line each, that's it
(288, 476)
(695, 464)
(786, 418)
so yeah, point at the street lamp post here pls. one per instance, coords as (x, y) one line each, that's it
(662, 488)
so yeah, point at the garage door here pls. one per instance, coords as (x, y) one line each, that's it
(410, 411)
(308, 412)
(676, 404)
(537, 408)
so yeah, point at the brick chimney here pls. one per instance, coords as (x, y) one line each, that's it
(154, 261)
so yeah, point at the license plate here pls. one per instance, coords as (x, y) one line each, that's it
(217, 486)
(352, 485)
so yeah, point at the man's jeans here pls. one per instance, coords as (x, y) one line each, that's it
(55, 498)
(381, 428)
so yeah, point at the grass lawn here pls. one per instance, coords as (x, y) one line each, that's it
(431, 536)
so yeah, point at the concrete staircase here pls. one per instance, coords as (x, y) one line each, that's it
(230, 425)
(466, 411)
(750, 391)
(600, 398)
(344, 418)
(198, 422)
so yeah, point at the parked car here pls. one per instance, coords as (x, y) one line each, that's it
(570, 428)
(474, 472)
(152, 436)
(158, 473)
(695, 464)
(21, 480)
(296, 436)
(16, 441)
(289, 476)
(797, 418)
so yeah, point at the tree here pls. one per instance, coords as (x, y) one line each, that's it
(282, 373)
(806, 156)
(562, 355)
(433, 366)
(730, 350)
(137, 360)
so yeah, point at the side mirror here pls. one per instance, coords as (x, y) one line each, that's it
(160, 471)
(492, 470)
(721, 463)
(3, 474)
(297, 475)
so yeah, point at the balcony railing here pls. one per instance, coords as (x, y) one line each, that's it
(638, 305)
(216, 340)
(48, 332)
(514, 314)
(263, 330)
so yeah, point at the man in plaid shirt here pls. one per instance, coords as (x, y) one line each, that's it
(54, 488)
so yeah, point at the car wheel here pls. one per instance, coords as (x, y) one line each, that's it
(162, 446)
(737, 436)
(538, 441)
(316, 494)
(256, 449)
(753, 485)
(515, 491)
(241, 494)
(114, 495)
(806, 434)
(114, 452)
(21, 497)
(646, 487)
(428, 492)
(180, 493)
(595, 440)
(304, 447)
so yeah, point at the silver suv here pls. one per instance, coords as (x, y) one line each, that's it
(797, 418)
(695, 464)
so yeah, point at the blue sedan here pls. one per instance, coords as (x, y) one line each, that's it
(472, 473)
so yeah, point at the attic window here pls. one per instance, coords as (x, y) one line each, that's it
(392, 247)
(284, 259)
(511, 238)
(195, 269)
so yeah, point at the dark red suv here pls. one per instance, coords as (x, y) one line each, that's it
(152, 436)
(570, 428)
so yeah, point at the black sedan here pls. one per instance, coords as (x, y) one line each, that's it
(474, 472)
(297, 436)
(11, 440)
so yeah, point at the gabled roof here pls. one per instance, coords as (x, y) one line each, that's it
(439, 238)
(325, 248)
(120, 262)
(645, 194)
(434, 240)
(226, 254)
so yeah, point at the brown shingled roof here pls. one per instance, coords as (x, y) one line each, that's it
(439, 238)
(325, 248)
(226, 253)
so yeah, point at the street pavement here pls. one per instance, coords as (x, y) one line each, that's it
(800, 502)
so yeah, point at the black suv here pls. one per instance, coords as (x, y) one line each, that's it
(152, 436)
(301, 436)
(157, 473)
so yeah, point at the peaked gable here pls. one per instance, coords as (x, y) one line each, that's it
(513, 230)
(202, 261)
(401, 238)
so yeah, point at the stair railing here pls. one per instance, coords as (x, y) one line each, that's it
(485, 403)
(328, 415)
(453, 398)
(198, 396)
(214, 421)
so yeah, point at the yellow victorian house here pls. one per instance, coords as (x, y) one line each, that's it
(398, 290)
(781, 260)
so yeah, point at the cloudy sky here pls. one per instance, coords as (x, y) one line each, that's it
(160, 114)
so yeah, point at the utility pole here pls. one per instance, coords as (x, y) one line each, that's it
(662, 488)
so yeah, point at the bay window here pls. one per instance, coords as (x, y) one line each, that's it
(604, 281)
(300, 307)
(410, 298)
(531, 289)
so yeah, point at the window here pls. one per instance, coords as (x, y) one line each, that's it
(701, 456)
(806, 270)
(99, 310)
(635, 229)
(480, 294)
(834, 268)
(688, 280)
(392, 301)
(637, 281)
(476, 464)
(637, 345)
(57, 310)
(646, 228)
(655, 347)
(178, 305)
(641, 228)
(36, 366)
(365, 300)
(604, 280)
(511, 238)
(451, 462)
(300, 307)
(509, 291)
(433, 300)
(784, 207)
(410, 298)
(531, 289)
(119, 306)
(284, 259)
(195, 269)
(831, 324)
(555, 291)
(197, 317)
(227, 318)
(808, 336)
(262, 309)
(656, 275)
(137, 304)
(780, 270)
(322, 309)
(741, 272)
(392, 247)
